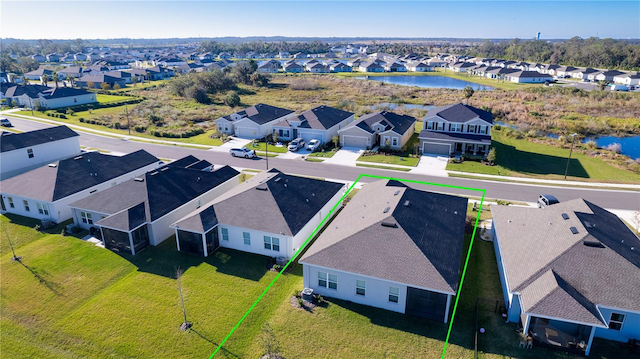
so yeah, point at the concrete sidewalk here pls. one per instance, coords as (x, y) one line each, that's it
(547, 181)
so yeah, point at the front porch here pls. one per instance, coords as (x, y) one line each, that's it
(467, 148)
(120, 241)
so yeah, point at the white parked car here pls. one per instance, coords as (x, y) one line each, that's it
(296, 144)
(313, 145)
(242, 152)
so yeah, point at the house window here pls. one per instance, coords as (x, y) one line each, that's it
(30, 153)
(276, 244)
(247, 238)
(326, 280)
(267, 242)
(615, 323)
(394, 141)
(471, 129)
(482, 129)
(11, 202)
(86, 217)
(360, 287)
(272, 243)
(394, 293)
(225, 234)
(429, 125)
(43, 209)
(26, 205)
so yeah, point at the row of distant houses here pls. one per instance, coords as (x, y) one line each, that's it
(391, 246)
(447, 130)
(523, 72)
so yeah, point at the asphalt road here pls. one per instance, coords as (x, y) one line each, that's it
(624, 200)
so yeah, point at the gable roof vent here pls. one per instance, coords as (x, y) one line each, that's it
(389, 224)
(406, 203)
(386, 210)
(261, 188)
(574, 230)
(594, 244)
(139, 179)
(565, 216)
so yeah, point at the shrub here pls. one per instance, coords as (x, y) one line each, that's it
(614, 147)
(296, 293)
(305, 84)
(81, 119)
(591, 145)
(491, 156)
(116, 87)
(105, 86)
(232, 99)
(70, 111)
(301, 302)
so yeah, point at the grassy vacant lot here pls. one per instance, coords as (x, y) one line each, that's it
(68, 299)
(522, 158)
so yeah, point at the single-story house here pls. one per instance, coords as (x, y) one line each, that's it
(456, 128)
(37, 74)
(496, 72)
(627, 79)
(370, 66)
(583, 74)
(318, 68)
(461, 66)
(608, 75)
(139, 212)
(569, 272)
(293, 67)
(321, 123)
(392, 247)
(96, 81)
(124, 75)
(551, 69)
(340, 67)
(566, 71)
(393, 66)
(271, 66)
(53, 57)
(46, 192)
(271, 213)
(39, 58)
(384, 128)
(190, 67)
(253, 122)
(22, 152)
(419, 66)
(528, 77)
(48, 97)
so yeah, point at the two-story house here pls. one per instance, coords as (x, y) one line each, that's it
(456, 128)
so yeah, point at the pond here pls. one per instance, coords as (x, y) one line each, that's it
(427, 82)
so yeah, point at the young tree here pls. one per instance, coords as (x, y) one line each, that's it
(70, 80)
(55, 78)
(468, 92)
(134, 80)
(232, 99)
(105, 86)
(45, 79)
(335, 140)
(602, 85)
(91, 85)
(116, 86)
(185, 324)
(491, 156)
(25, 80)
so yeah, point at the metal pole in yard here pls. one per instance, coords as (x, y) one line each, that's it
(15, 257)
(573, 138)
(266, 148)
(128, 124)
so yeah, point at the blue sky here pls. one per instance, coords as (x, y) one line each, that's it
(478, 19)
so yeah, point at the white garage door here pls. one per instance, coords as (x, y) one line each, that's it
(308, 136)
(352, 141)
(247, 132)
(435, 148)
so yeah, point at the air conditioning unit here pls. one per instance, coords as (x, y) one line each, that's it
(281, 261)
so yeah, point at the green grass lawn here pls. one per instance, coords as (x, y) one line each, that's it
(404, 169)
(325, 154)
(260, 146)
(111, 98)
(523, 158)
(69, 299)
(404, 158)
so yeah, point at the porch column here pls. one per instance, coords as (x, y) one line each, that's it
(593, 331)
(525, 326)
(204, 244)
(464, 148)
(133, 250)
(475, 149)
(177, 240)
(446, 311)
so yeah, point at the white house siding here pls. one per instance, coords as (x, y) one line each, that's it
(353, 135)
(512, 303)
(225, 126)
(159, 230)
(60, 210)
(376, 290)
(17, 161)
(95, 217)
(248, 129)
(236, 241)
(68, 101)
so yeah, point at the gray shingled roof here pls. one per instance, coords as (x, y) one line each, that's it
(262, 113)
(459, 113)
(14, 141)
(555, 272)
(284, 204)
(400, 124)
(319, 118)
(160, 192)
(73, 175)
(423, 250)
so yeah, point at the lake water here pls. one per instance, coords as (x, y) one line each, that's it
(427, 82)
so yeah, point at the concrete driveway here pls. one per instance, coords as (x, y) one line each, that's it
(433, 165)
(234, 142)
(346, 156)
(294, 155)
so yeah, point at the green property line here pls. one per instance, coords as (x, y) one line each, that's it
(323, 222)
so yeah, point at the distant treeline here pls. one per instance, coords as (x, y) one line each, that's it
(591, 52)
(311, 47)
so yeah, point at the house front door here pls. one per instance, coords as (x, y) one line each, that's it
(295, 133)
(458, 147)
